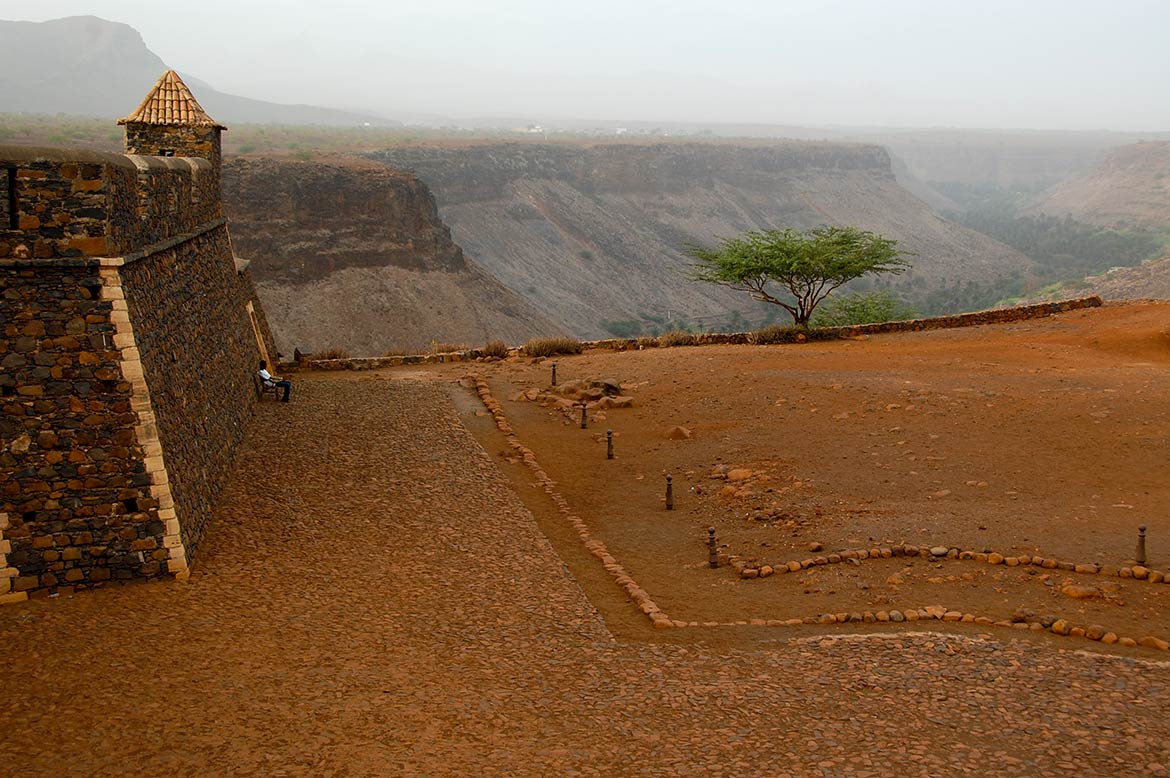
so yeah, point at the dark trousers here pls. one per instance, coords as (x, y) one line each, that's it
(287, 387)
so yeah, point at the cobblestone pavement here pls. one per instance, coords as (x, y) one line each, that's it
(373, 599)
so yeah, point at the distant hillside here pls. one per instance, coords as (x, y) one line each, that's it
(86, 66)
(1130, 187)
(353, 255)
(594, 235)
(1149, 280)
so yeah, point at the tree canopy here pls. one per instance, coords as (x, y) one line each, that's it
(807, 264)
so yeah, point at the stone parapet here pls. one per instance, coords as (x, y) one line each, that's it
(71, 203)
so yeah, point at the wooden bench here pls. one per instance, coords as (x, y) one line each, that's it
(263, 390)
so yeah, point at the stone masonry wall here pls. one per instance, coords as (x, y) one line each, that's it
(198, 353)
(183, 141)
(74, 203)
(73, 479)
(127, 354)
(173, 196)
(67, 207)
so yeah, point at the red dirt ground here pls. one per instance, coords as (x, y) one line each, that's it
(1048, 437)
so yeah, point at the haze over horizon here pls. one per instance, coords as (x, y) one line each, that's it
(1047, 65)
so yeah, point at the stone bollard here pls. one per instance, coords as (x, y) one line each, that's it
(584, 420)
(554, 375)
(712, 548)
(609, 444)
(669, 493)
(1140, 556)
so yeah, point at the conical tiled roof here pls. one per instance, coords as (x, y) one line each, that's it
(171, 102)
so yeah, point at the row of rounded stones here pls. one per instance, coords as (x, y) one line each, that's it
(663, 621)
(595, 547)
(1137, 572)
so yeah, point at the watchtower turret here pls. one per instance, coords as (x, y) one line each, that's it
(171, 123)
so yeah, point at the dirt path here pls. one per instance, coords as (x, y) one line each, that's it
(374, 599)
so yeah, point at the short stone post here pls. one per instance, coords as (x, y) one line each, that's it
(584, 420)
(554, 375)
(712, 549)
(1140, 556)
(669, 493)
(609, 444)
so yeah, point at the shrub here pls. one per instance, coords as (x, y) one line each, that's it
(677, 338)
(548, 347)
(774, 333)
(624, 328)
(862, 308)
(332, 353)
(495, 348)
(398, 351)
(647, 341)
(778, 333)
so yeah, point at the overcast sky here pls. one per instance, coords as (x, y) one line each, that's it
(1046, 64)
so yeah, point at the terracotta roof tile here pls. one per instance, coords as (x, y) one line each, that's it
(171, 102)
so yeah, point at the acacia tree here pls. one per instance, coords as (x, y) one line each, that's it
(808, 264)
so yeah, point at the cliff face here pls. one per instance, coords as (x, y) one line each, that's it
(353, 255)
(595, 234)
(1131, 187)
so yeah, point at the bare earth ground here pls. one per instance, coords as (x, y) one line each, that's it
(373, 598)
(1048, 438)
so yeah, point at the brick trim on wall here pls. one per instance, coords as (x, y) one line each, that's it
(7, 573)
(146, 431)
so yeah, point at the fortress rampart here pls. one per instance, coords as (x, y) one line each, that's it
(130, 334)
(68, 203)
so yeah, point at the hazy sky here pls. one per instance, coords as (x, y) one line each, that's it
(1060, 64)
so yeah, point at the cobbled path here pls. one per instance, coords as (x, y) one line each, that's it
(373, 599)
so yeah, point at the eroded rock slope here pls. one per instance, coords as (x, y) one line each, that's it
(596, 234)
(352, 255)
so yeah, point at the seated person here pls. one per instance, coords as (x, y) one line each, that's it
(274, 380)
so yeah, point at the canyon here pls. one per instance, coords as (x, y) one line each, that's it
(350, 255)
(596, 234)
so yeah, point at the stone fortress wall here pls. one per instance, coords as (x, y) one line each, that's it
(128, 345)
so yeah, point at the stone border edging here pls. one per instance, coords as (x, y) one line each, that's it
(941, 553)
(661, 620)
(595, 547)
(976, 318)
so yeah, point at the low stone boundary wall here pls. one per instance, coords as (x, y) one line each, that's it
(641, 599)
(977, 318)
(974, 319)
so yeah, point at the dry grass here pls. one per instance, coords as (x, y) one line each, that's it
(548, 347)
(677, 338)
(495, 348)
(331, 353)
(778, 333)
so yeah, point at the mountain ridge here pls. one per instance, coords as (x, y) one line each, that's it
(89, 66)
